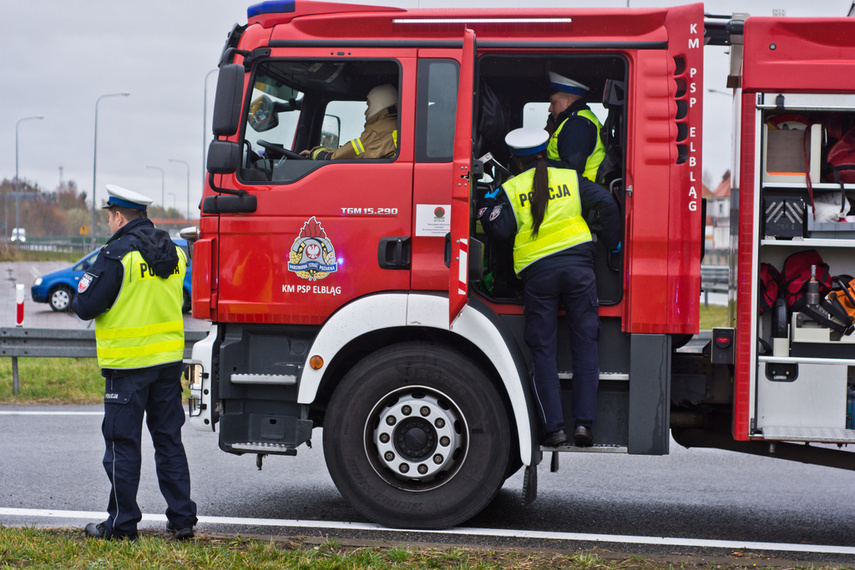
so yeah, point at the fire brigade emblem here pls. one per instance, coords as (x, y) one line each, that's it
(312, 255)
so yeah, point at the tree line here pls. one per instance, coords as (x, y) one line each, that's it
(60, 213)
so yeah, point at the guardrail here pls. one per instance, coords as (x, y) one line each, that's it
(714, 278)
(76, 248)
(61, 343)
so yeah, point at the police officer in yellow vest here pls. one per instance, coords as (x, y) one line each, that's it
(134, 292)
(543, 209)
(575, 142)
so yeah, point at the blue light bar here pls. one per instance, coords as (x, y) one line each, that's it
(270, 7)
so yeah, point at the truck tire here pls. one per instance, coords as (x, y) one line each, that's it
(416, 436)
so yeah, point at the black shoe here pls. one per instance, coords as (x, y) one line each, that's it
(180, 533)
(555, 439)
(99, 530)
(582, 437)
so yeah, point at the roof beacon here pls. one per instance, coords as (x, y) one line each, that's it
(270, 7)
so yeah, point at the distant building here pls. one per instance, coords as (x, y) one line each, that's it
(717, 227)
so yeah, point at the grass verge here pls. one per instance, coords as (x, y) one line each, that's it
(713, 316)
(11, 253)
(34, 548)
(66, 381)
(52, 381)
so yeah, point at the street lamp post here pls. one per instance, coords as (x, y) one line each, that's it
(95, 158)
(17, 183)
(162, 188)
(188, 185)
(173, 199)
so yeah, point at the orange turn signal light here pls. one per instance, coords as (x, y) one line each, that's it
(316, 362)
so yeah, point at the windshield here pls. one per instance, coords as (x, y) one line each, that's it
(298, 105)
(87, 261)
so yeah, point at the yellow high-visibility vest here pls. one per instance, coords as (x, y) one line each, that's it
(563, 225)
(594, 159)
(145, 325)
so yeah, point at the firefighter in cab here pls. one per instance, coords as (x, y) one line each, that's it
(575, 141)
(379, 139)
(544, 209)
(134, 291)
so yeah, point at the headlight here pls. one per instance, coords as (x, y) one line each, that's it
(38, 281)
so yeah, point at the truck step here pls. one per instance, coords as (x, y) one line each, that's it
(828, 435)
(596, 448)
(264, 447)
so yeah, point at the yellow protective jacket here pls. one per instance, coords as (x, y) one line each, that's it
(592, 164)
(145, 326)
(563, 225)
(378, 140)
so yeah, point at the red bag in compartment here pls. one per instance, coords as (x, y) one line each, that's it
(770, 287)
(796, 275)
(841, 158)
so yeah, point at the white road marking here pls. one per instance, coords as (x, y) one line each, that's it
(57, 413)
(510, 533)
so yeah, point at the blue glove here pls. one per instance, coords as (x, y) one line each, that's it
(617, 249)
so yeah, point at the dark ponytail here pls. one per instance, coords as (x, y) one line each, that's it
(540, 190)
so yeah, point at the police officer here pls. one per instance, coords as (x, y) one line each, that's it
(543, 209)
(575, 140)
(134, 293)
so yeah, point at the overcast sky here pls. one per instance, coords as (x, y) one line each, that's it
(61, 56)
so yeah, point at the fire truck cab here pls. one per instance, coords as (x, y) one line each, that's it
(360, 295)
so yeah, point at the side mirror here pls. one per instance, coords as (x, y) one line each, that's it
(190, 233)
(223, 157)
(262, 114)
(331, 131)
(229, 98)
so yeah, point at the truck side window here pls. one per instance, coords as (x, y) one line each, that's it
(300, 105)
(437, 110)
(535, 113)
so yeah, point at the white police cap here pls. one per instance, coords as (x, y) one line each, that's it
(126, 198)
(526, 141)
(561, 83)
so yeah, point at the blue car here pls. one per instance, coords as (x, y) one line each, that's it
(59, 287)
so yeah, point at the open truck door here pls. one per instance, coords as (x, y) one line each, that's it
(458, 277)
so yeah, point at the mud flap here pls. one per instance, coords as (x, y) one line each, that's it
(529, 490)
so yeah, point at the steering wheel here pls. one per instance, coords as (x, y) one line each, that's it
(276, 150)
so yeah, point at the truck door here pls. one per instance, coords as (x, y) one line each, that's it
(329, 229)
(458, 279)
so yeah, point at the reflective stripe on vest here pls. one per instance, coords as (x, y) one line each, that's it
(145, 325)
(563, 225)
(592, 164)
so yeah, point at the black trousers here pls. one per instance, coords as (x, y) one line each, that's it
(543, 291)
(128, 394)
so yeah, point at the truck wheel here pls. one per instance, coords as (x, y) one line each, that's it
(416, 436)
(60, 299)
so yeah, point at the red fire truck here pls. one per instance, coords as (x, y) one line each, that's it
(361, 296)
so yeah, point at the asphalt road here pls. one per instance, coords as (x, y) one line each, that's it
(51, 461)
